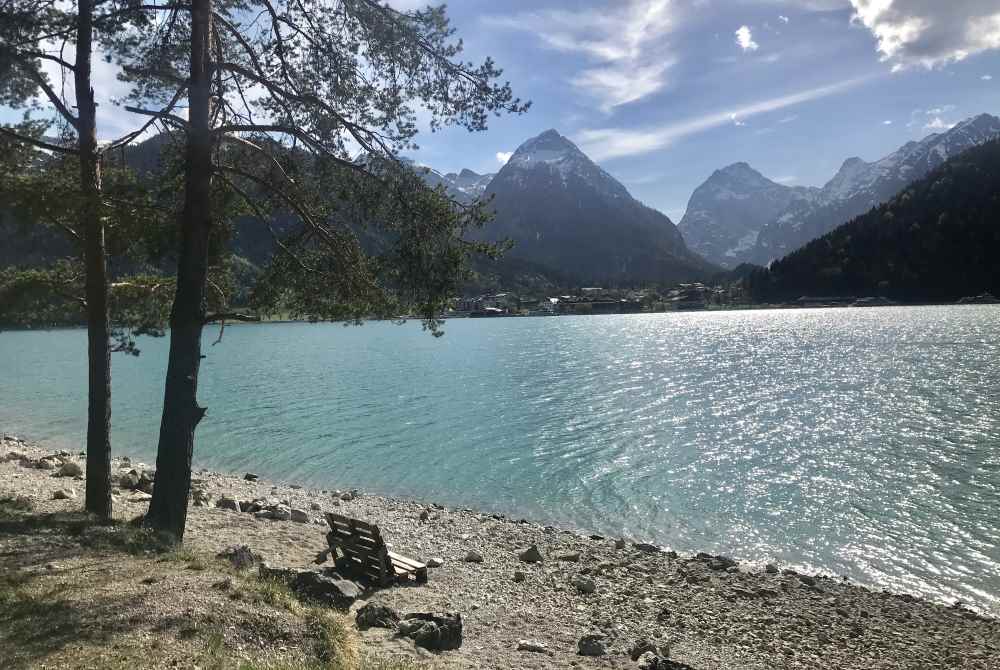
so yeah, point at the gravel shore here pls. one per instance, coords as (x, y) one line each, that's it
(709, 611)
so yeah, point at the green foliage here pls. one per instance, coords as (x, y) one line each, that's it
(937, 241)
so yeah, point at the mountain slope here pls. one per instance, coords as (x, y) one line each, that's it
(937, 240)
(726, 213)
(858, 186)
(565, 213)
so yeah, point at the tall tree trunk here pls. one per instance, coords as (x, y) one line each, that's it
(98, 499)
(181, 412)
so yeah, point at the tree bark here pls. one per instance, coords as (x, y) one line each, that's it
(98, 497)
(181, 412)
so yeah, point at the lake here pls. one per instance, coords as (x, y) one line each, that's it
(858, 442)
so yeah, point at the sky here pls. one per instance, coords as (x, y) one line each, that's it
(663, 92)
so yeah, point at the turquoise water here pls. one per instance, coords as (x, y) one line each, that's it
(859, 442)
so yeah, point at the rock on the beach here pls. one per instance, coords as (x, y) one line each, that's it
(647, 547)
(584, 584)
(531, 555)
(425, 516)
(771, 569)
(299, 516)
(473, 557)
(284, 575)
(316, 507)
(250, 477)
(64, 494)
(129, 480)
(146, 480)
(339, 593)
(592, 644)
(200, 498)
(644, 646)
(435, 562)
(69, 469)
(619, 544)
(139, 497)
(572, 557)
(228, 503)
(375, 615)
(532, 646)
(437, 632)
(519, 576)
(241, 558)
(48, 463)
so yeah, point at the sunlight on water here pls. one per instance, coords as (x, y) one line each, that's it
(858, 442)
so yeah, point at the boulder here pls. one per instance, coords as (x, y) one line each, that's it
(473, 557)
(284, 575)
(146, 481)
(592, 644)
(241, 557)
(69, 469)
(64, 494)
(572, 557)
(647, 547)
(375, 615)
(644, 646)
(250, 477)
(200, 498)
(339, 593)
(583, 584)
(531, 555)
(771, 569)
(316, 507)
(281, 513)
(228, 503)
(433, 631)
(519, 576)
(299, 516)
(435, 562)
(48, 463)
(533, 646)
(129, 480)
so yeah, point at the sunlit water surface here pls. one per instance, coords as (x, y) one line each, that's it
(859, 442)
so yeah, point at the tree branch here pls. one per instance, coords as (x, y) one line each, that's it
(38, 143)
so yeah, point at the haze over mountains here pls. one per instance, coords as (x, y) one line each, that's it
(740, 216)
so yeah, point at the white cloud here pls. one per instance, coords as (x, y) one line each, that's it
(606, 143)
(626, 46)
(736, 120)
(931, 33)
(937, 111)
(987, 77)
(937, 123)
(744, 38)
(791, 179)
(504, 156)
(789, 118)
(887, 123)
(783, 19)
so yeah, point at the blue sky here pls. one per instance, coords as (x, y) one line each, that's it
(663, 92)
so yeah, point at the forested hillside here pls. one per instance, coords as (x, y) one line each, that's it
(936, 241)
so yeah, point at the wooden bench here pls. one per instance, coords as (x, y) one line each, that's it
(362, 552)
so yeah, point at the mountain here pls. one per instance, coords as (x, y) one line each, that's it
(936, 241)
(858, 186)
(464, 186)
(726, 213)
(564, 213)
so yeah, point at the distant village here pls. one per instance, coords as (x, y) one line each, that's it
(595, 300)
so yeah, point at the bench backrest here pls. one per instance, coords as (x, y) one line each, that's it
(361, 544)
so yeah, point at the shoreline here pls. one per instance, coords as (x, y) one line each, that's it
(712, 611)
